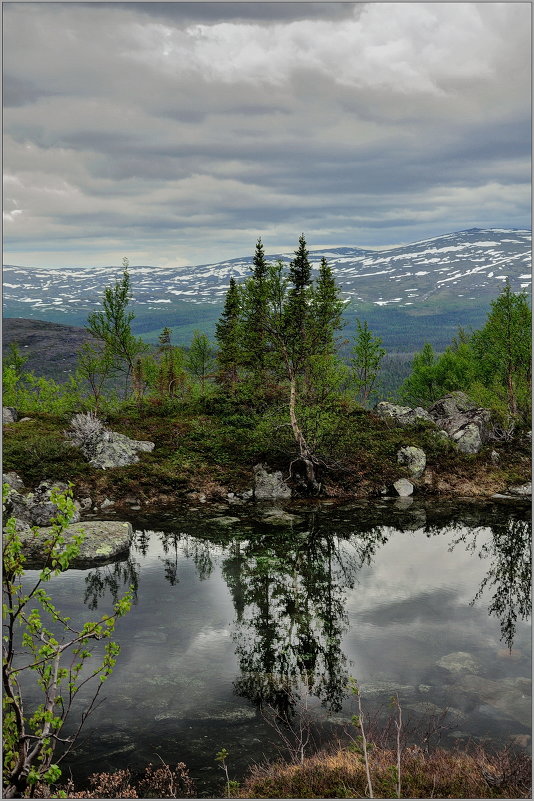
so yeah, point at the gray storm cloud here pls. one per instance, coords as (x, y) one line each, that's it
(178, 134)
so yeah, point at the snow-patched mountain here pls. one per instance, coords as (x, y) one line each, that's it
(471, 265)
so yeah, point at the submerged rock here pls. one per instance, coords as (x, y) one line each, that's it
(277, 517)
(224, 521)
(269, 485)
(459, 662)
(104, 541)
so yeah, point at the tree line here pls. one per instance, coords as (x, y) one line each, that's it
(278, 343)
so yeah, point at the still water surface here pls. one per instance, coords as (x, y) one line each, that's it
(243, 608)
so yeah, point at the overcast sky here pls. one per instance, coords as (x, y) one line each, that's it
(177, 133)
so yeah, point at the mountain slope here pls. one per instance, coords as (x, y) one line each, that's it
(427, 288)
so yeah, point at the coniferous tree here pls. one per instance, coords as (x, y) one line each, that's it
(255, 317)
(326, 310)
(297, 308)
(171, 377)
(228, 335)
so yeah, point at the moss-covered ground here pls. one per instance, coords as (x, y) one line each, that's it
(213, 450)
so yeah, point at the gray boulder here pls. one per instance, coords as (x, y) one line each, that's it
(403, 487)
(402, 415)
(462, 420)
(269, 485)
(468, 438)
(414, 459)
(9, 415)
(104, 542)
(36, 508)
(118, 450)
(13, 480)
(523, 490)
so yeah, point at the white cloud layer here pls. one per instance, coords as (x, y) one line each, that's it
(179, 135)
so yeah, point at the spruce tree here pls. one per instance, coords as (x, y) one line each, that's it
(255, 317)
(297, 309)
(326, 311)
(228, 335)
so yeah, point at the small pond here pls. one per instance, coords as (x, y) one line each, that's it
(246, 608)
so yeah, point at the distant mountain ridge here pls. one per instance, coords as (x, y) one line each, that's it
(454, 276)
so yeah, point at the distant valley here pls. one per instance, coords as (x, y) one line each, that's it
(408, 294)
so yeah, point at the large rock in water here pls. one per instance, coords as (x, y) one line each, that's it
(269, 485)
(402, 415)
(462, 420)
(118, 450)
(414, 459)
(104, 542)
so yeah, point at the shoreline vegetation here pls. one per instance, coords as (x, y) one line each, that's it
(273, 394)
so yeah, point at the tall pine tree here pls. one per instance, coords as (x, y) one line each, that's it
(326, 311)
(228, 335)
(255, 318)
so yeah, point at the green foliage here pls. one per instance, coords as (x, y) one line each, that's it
(96, 365)
(55, 652)
(112, 326)
(420, 387)
(367, 355)
(30, 393)
(14, 358)
(493, 365)
(39, 452)
(200, 359)
(503, 348)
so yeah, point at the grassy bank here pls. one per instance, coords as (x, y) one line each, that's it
(439, 774)
(212, 449)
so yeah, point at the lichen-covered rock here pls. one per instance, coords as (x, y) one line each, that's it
(118, 450)
(36, 508)
(13, 480)
(269, 485)
(403, 487)
(402, 415)
(104, 541)
(414, 459)
(468, 438)
(463, 421)
(9, 415)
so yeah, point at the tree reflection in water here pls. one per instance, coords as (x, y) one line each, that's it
(114, 578)
(289, 596)
(289, 591)
(509, 575)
